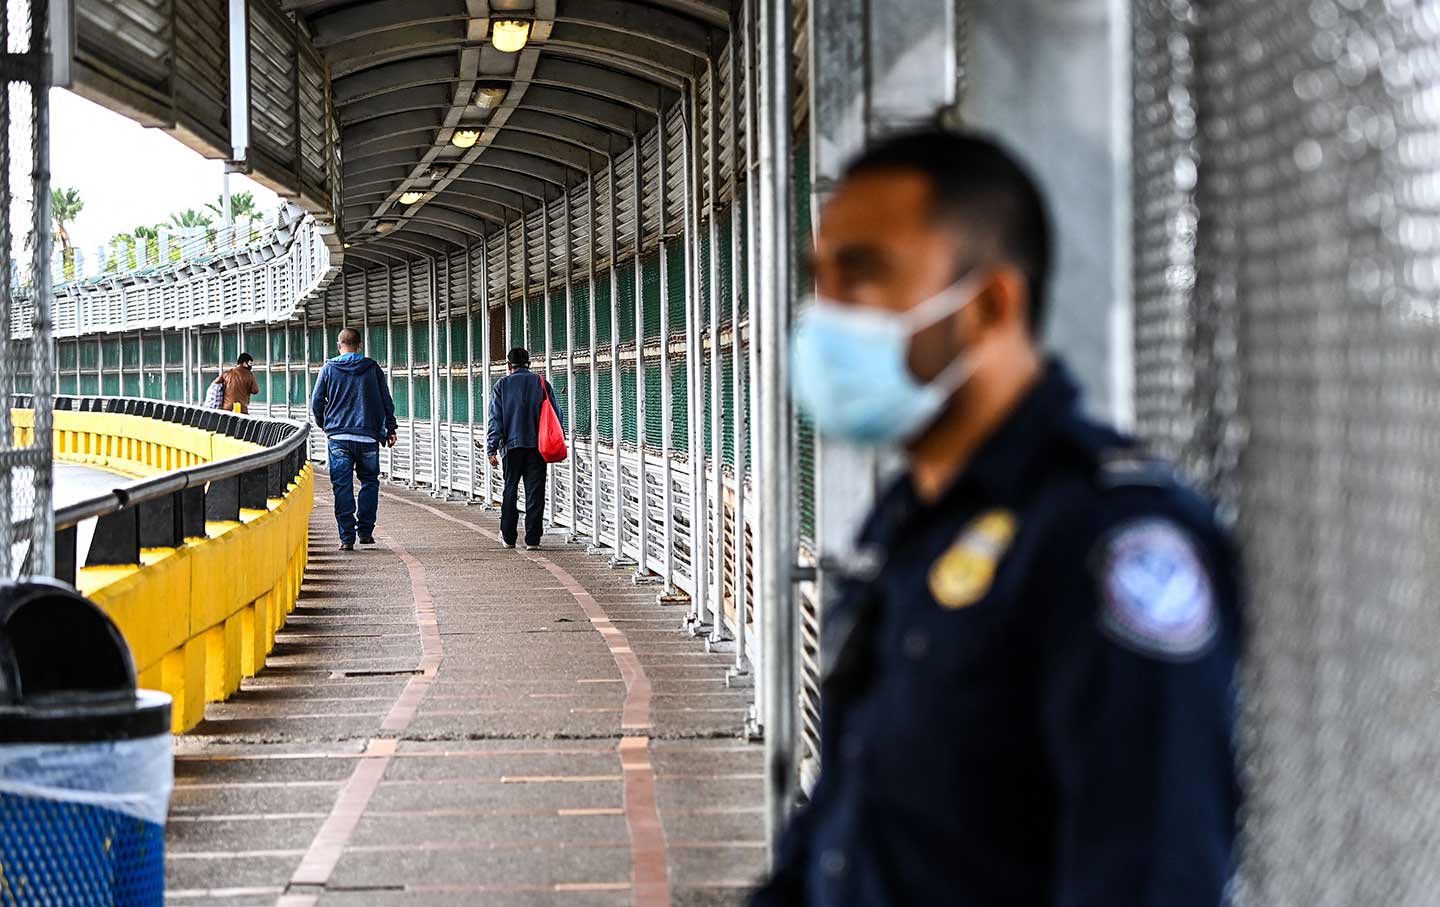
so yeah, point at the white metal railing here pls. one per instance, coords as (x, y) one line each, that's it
(264, 281)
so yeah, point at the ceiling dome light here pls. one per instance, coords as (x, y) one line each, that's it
(509, 35)
(410, 198)
(464, 138)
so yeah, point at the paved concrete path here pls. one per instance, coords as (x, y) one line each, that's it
(444, 721)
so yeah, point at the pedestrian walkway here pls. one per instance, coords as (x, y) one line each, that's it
(444, 721)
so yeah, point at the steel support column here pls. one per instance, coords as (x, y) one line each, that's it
(642, 509)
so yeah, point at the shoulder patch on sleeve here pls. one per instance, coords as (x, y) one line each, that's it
(1155, 591)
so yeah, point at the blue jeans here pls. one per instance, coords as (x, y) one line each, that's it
(347, 460)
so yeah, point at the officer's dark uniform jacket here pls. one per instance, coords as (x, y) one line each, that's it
(1028, 689)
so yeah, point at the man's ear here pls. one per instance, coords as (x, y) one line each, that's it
(1005, 301)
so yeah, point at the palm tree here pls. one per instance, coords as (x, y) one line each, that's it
(121, 243)
(149, 236)
(65, 206)
(242, 207)
(188, 220)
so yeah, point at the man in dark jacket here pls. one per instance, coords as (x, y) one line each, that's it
(514, 436)
(352, 405)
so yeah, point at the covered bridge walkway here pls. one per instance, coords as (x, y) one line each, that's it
(444, 721)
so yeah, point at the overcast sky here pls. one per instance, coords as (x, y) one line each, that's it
(128, 175)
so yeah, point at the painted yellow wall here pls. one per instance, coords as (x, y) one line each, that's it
(200, 617)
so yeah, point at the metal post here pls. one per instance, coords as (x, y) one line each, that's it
(410, 369)
(470, 369)
(595, 540)
(738, 65)
(717, 397)
(617, 410)
(485, 362)
(667, 406)
(439, 480)
(390, 354)
(642, 510)
(570, 468)
(777, 542)
(694, 452)
(549, 342)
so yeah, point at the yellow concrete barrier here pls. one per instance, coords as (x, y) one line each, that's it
(200, 617)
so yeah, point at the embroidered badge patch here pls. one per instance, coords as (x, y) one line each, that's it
(1156, 593)
(963, 574)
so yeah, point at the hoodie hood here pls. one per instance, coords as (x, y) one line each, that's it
(353, 364)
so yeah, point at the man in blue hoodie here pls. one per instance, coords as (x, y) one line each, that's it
(352, 406)
(514, 437)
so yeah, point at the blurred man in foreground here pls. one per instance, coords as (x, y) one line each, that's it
(1027, 693)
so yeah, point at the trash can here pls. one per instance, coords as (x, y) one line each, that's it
(86, 765)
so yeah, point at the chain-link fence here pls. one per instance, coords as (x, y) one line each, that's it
(1287, 252)
(26, 532)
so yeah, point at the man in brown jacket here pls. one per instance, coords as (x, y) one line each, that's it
(239, 383)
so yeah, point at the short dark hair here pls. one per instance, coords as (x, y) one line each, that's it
(974, 182)
(518, 356)
(349, 337)
(244, 358)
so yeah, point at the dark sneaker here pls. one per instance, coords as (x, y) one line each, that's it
(347, 546)
(367, 539)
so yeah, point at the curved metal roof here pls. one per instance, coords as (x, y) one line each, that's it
(594, 75)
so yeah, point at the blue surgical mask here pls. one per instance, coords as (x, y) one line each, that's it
(849, 373)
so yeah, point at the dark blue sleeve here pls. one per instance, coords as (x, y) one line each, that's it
(318, 398)
(387, 401)
(1138, 707)
(495, 429)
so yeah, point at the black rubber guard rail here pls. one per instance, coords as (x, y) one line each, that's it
(165, 510)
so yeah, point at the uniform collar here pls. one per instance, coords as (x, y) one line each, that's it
(1000, 469)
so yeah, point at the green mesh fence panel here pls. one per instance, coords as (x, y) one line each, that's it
(562, 398)
(299, 393)
(229, 347)
(400, 345)
(606, 402)
(704, 267)
(110, 384)
(602, 308)
(110, 351)
(580, 302)
(296, 335)
(255, 343)
(209, 349)
(130, 386)
(89, 353)
(422, 397)
(516, 313)
(707, 398)
(805, 477)
(629, 405)
(804, 431)
(477, 337)
(675, 289)
(374, 345)
(742, 291)
(67, 351)
(319, 351)
(419, 343)
(557, 321)
(535, 313)
(442, 343)
(580, 405)
(650, 294)
(460, 400)
(723, 251)
(477, 390)
(654, 413)
(400, 393)
(152, 351)
(459, 349)
(625, 302)
(174, 349)
(679, 406)
(90, 384)
(130, 351)
(68, 384)
(278, 392)
(727, 399)
(278, 352)
(24, 384)
(175, 387)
